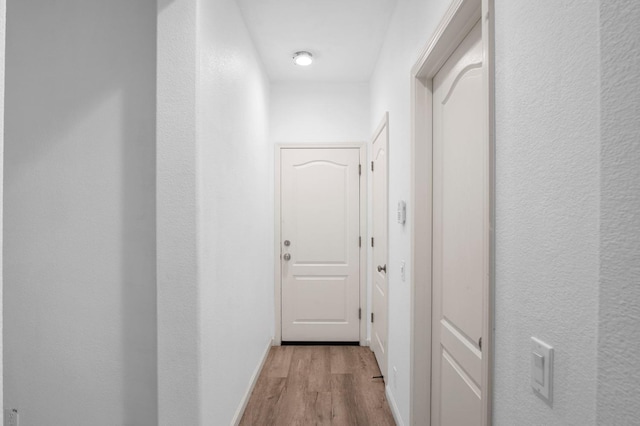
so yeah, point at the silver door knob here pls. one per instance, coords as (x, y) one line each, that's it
(382, 268)
(286, 256)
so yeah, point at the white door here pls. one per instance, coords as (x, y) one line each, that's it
(379, 248)
(320, 214)
(460, 266)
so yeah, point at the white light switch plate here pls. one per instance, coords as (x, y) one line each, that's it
(542, 369)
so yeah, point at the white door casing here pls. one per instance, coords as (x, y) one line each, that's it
(459, 236)
(320, 219)
(380, 209)
(432, 389)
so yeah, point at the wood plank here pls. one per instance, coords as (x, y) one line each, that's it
(343, 359)
(317, 408)
(344, 402)
(309, 392)
(262, 403)
(319, 376)
(278, 362)
(290, 409)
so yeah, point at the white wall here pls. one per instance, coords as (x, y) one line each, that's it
(319, 112)
(619, 334)
(3, 15)
(235, 194)
(547, 199)
(79, 265)
(547, 207)
(177, 250)
(410, 28)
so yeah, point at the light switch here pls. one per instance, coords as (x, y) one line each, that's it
(542, 369)
(538, 368)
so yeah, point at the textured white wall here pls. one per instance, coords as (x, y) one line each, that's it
(412, 25)
(547, 207)
(319, 112)
(177, 250)
(79, 265)
(619, 333)
(235, 194)
(3, 15)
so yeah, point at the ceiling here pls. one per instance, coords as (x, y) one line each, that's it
(344, 36)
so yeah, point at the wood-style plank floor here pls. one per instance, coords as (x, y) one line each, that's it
(318, 385)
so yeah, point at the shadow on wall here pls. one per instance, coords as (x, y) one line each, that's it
(162, 4)
(80, 296)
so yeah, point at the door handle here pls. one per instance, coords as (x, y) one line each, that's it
(382, 268)
(286, 256)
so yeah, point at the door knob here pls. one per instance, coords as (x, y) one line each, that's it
(382, 268)
(286, 256)
(287, 243)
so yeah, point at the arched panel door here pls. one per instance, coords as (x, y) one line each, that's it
(320, 214)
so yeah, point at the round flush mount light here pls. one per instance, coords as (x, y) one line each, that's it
(302, 58)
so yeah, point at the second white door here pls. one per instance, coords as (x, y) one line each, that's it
(320, 227)
(379, 299)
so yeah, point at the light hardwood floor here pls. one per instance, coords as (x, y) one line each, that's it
(318, 385)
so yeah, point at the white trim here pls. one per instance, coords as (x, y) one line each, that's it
(394, 407)
(362, 147)
(459, 19)
(364, 252)
(277, 252)
(252, 384)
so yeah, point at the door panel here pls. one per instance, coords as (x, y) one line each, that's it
(460, 396)
(459, 235)
(379, 297)
(320, 214)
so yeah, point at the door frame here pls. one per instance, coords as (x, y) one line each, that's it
(459, 19)
(362, 149)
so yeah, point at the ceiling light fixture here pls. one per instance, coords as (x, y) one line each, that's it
(302, 58)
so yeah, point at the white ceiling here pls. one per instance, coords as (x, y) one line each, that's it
(344, 36)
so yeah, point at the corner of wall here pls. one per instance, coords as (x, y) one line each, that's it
(3, 15)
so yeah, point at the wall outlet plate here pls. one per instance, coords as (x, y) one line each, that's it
(10, 417)
(542, 370)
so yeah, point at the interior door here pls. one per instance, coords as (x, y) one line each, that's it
(379, 324)
(460, 253)
(320, 227)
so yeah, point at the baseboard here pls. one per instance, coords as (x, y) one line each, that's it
(394, 407)
(252, 384)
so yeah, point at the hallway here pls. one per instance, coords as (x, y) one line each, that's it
(144, 250)
(318, 385)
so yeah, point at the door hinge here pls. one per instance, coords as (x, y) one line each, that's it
(359, 313)
(372, 166)
(371, 241)
(359, 169)
(359, 241)
(371, 316)
(480, 343)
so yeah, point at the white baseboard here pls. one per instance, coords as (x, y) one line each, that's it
(394, 407)
(252, 384)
